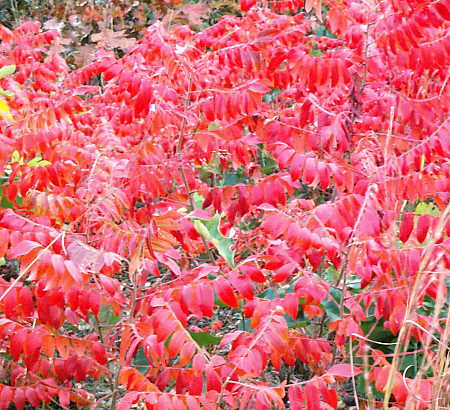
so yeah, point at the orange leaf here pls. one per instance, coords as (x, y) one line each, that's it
(186, 354)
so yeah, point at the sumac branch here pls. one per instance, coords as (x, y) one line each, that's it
(248, 216)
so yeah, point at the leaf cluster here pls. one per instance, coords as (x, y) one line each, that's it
(249, 215)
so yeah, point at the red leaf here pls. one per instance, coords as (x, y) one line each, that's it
(212, 380)
(242, 285)
(290, 304)
(16, 343)
(283, 273)
(423, 225)
(19, 399)
(309, 172)
(296, 167)
(95, 301)
(399, 389)
(295, 396)
(300, 237)
(58, 264)
(331, 397)
(23, 248)
(31, 348)
(6, 396)
(275, 224)
(176, 342)
(192, 403)
(73, 271)
(206, 300)
(225, 292)
(143, 98)
(312, 311)
(312, 396)
(26, 301)
(343, 370)
(127, 401)
(4, 243)
(12, 221)
(64, 397)
(32, 397)
(406, 227)
(99, 352)
(109, 284)
(198, 363)
(324, 176)
(442, 10)
(253, 272)
(195, 385)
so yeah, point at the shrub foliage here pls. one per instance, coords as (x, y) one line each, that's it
(246, 216)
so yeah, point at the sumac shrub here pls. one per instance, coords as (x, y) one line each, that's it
(249, 216)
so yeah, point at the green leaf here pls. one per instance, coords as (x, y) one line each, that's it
(38, 162)
(7, 70)
(331, 274)
(268, 294)
(332, 310)
(315, 52)
(5, 93)
(210, 231)
(141, 362)
(354, 284)
(378, 334)
(336, 294)
(424, 208)
(234, 178)
(245, 325)
(266, 162)
(332, 306)
(218, 302)
(106, 316)
(447, 284)
(198, 199)
(4, 203)
(410, 363)
(213, 126)
(15, 157)
(271, 96)
(205, 339)
(323, 31)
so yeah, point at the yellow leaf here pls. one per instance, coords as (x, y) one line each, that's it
(5, 112)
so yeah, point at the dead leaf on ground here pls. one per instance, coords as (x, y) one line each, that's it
(194, 12)
(84, 55)
(54, 24)
(113, 39)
